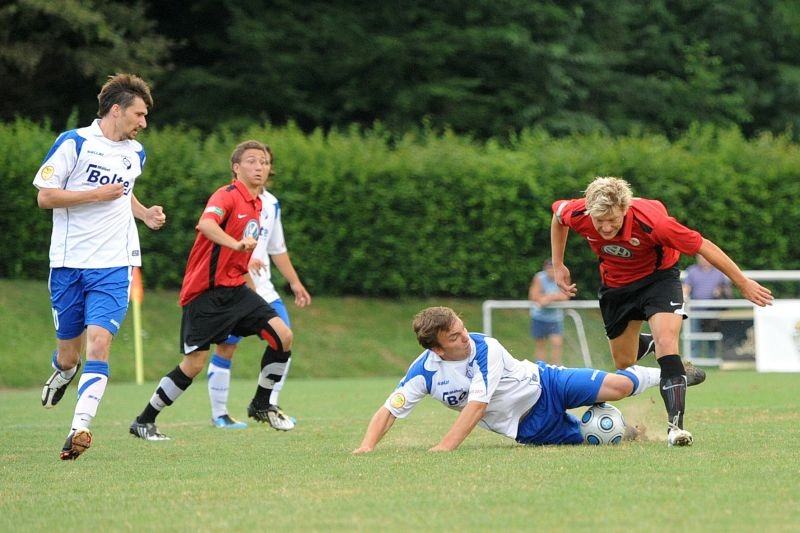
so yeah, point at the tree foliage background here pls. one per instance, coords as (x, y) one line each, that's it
(483, 68)
(421, 143)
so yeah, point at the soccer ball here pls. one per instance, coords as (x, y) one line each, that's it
(602, 423)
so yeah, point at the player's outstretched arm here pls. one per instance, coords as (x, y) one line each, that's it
(463, 426)
(751, 289)
(380, 424)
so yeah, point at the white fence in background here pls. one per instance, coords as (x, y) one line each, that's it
(763, 349)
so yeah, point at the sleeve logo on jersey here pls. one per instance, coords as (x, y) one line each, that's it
(216, 210)
(47, 172)
(615, 249)
(251, 229)
(398, 400)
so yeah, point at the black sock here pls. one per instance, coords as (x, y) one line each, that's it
(673, 387)
(161, 399)
(278, 361)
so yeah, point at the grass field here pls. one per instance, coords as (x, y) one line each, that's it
(741, 475)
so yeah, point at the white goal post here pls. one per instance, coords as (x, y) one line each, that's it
(705, 309)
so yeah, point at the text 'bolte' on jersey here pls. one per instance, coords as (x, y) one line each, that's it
(270, 242)
(96, 234)
(490, 375)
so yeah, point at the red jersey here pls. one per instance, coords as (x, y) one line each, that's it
(211, 265)
(649, 239)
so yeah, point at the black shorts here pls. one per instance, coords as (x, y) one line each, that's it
(220, 312)
(659, 292)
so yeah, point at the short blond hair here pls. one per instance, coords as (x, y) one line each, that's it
(606, 193)
(430, 321)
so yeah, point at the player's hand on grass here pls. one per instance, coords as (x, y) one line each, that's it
(362, 449)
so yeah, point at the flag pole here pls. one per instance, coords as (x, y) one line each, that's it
(137, 295)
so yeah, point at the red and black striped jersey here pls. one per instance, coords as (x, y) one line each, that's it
(211, 265)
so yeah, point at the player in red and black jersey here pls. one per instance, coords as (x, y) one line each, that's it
(216, 300)
(638, 244)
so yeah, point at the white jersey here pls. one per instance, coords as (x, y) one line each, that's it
(97, 234)
(490, 374)
(270, 242)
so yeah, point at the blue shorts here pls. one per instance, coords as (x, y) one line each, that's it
(562, 388)
(541, 329)
(279, 308)
(83, 297)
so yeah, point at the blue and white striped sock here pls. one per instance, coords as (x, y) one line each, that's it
(219, 382)
(91, 388)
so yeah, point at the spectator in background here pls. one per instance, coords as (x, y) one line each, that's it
(704, 282)
(547, 323)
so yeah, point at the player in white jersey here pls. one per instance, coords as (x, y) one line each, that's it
(271, 245)
(87, 179)
(475, 374)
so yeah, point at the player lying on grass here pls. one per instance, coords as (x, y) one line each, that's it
(475, 374)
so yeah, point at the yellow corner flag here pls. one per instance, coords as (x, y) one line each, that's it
(137, 295)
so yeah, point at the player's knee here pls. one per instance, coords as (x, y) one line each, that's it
(225, 350)
(193, 363)
(287, 337)
(618, 386)
(624, 361)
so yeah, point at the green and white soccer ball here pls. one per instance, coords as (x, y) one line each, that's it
(602, 423)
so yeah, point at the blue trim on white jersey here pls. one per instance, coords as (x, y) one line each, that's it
(481, 355)
(142, 158)
(418, 369)
(66, 136)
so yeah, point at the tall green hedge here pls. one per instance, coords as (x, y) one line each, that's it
(368, 213)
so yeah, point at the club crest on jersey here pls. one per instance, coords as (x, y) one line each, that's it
(617, 250)
(251, 229)
(634, 241)
(126, 162)
(398, 400)
(47, 172)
